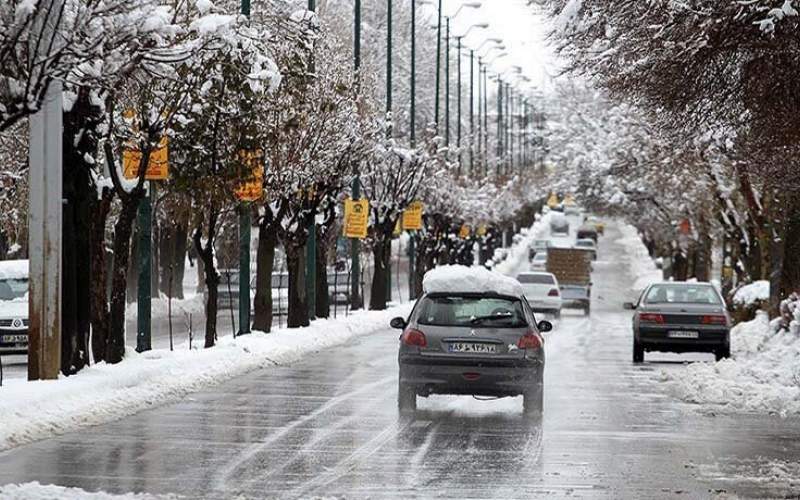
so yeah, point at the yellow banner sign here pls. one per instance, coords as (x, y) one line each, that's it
(412, 216)
(157, 166)
(356, 218)
(481, 230)
(464, 232)
(552, 201)
(252, 189)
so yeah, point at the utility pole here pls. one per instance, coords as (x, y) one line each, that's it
(500, 136)
(311, 240)
(389, 129)
(458, 105)
(356, 301)
(412, 289)
(143, 302)
(471, 112)
(447, 84)
(438, 61)
(485, 123)
(479, 138)
(45, 215)
(244, 244)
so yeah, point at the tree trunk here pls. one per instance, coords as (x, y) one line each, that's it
(206, 256)
(172, 258)
(790, 276)
(265, 265)
(323, 301)
(297, 315)
(98, 275)
(380, 250)
(122, 250)
(132, 277)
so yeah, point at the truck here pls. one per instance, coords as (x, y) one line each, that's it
(573, 268)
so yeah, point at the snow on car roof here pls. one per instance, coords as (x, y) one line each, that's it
(13, 269)
(463, 279)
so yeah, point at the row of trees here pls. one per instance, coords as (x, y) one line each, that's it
(224, 92)
(694, 136)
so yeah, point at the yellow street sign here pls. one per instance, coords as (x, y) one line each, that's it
(463, 233)
(412, 216)
(481, 230)
(356, 218)
(552, 201)
(157, 166)
(251, 189)
(569, 200)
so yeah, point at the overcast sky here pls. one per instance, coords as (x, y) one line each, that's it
(523, 32)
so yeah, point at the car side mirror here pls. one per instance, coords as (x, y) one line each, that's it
(544, 326)
(629, 305)
(399, 323)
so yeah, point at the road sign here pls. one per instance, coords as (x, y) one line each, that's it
(356, 218)
(463, 233)
(157, 167)
(552, 201)
(412, 216)
(252, 189)
(481, 230)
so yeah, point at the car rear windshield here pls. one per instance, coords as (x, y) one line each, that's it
(11, 289)
(537, 279)
(682, 294)
(584, 243)
(472, 311)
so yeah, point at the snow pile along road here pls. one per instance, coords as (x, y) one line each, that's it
(642, 267)
(31, 411)
(37, 491)
(763, 375)
(518, 253)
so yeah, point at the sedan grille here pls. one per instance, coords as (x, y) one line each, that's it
(5, 322)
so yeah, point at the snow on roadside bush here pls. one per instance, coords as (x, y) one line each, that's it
(37, 491)
(642, 267)
(752, 293)
(763, 375)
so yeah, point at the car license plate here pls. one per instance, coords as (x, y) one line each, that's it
(15, 338)
(683, 334)
(472, 347)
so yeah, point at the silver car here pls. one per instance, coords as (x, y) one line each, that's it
(680, 317)
(480, 344)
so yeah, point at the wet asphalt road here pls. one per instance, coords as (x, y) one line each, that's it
(328, 427)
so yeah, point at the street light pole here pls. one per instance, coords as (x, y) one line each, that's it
(438, 61)
(447, 84)
(458, 105)
(412, 289)
(471, 111)
(485, 124)
(311, 246)
(499, 125)
(356, 301)
(389, 128)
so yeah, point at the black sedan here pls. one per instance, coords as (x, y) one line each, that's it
(680, 317)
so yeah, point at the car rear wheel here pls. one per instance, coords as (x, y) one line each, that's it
(724, 352)
(533, 400)
(638, 352)
(406, 398)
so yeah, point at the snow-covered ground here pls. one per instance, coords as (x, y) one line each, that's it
(35, 410)
(36, 491)
(642, 267)
(763, 375)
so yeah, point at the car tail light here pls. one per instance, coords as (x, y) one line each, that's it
(529, 341)
(414, 337)
(713, 319)
(651, 318)
(553, 292)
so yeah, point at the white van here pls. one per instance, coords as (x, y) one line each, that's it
(14, 306)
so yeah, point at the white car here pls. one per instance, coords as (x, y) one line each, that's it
(539, 262)
(14, 306)
(542, 292)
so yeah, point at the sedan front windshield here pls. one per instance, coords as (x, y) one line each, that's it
(682, 294)
(454, 310)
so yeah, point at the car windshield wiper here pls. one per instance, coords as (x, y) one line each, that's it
(479, 319)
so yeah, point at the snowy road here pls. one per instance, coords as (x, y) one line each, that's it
(329, 427)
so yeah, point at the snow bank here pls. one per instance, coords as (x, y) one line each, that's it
(159, 307)
(13, 269)
(752, 293)
(518, 253)
(36, 491)
(641, 266)
(763, 376)
(31, 411)
(469, 280)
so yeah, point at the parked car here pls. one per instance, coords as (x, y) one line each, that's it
(471, 337)
(680, 317)
(14, 307)
(541, 291)
(539, 262)
(588, 244)
(587, 232)
(536, 247)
